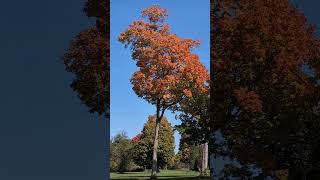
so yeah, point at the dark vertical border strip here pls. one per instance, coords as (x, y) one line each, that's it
(211, 77)
(107, 136)
(211, 53)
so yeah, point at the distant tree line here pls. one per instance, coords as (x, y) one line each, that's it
(136, 154)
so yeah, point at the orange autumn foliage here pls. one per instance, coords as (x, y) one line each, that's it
(262, 44)
(265, 79)
(168, 70)
(88, 59)
(248, 100)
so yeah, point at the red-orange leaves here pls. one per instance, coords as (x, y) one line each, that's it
(167, 69)
(136, 138)
(187, 92)
(248, 100)
(155, 14)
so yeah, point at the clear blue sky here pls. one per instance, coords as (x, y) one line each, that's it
(188, 19)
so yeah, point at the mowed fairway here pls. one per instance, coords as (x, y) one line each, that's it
(169, 174)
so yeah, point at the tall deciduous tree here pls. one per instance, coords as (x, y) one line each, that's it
(143, 144)
(168, 70)
(88, 59)
(265, 73)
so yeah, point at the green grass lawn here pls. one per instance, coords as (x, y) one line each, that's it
(169, 174)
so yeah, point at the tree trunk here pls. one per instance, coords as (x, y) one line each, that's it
(204, 162)
(155, 149)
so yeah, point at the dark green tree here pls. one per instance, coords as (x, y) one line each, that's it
(190, 154)
(121, 157)
(195, 129)
(143, 146)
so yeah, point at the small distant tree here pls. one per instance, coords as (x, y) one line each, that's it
(184, 150)
(190, 154)
(167, 68)
(121, 159)
(143, 144)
